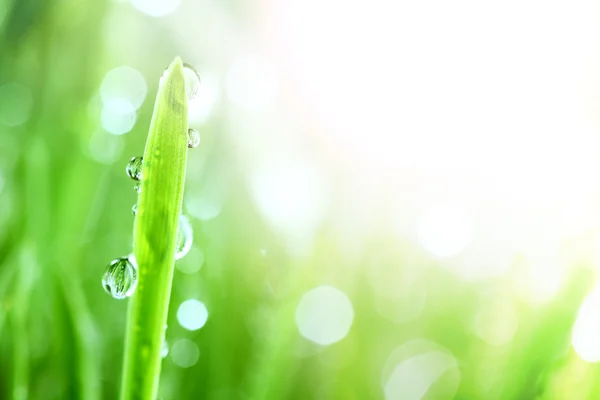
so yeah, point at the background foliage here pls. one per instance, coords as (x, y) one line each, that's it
(327, 131)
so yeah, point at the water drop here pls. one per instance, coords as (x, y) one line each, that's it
(134, 209)
(134, 168)
(138, 187)
(164, 74)
(164, 350)
(185, 237)
(193, 138)
(120, 278)
(192, 81)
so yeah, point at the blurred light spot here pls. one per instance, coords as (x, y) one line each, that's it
(118, 116)
(420, 369)
(412, 378)
(156, 8)
(192, 262)
(252, 84)
(293, 196)
(15, 104)
(192, 314)
(104, 147)
(445, 231)
(497, 323)
(542, 272)
(184, 353)
(586, 330)
(124, 83)
(204, 206)
(324, 315)
(201, 106)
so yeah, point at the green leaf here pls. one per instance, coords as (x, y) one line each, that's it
(155, 233)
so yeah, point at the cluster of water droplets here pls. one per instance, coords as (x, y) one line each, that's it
(192, 86)
(120, 278)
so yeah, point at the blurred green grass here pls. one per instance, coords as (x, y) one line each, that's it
(64, 216)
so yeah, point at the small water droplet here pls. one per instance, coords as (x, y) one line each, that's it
(164, 74)
(120, 278)
(185, 237)
(134, 209)
(192, 81)
(138, 187)
(193, 138)
(164, 351)
(134, 168)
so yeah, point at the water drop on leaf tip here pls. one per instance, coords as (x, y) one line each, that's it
(192, 81)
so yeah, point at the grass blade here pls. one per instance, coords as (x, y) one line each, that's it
(155, 233)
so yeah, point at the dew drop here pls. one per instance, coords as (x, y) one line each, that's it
(138, 187)
(192, 81)
(164, 350)
(164, 74)
(120, 278)
(185, 237)
(193, 138)
(134, 168)
(134, 209)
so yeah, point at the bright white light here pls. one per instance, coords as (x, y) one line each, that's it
(252, 84)
(184, 353)
(118, 116)
(445, 231)
(497, 323)
(324, 315)
(586, 330)
(156, 8)
(15, 104)
(450, 114)
(201, 106)
(124, 83)
(192, 314)
(420, 369)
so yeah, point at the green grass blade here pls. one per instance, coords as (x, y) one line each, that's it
(155, 232)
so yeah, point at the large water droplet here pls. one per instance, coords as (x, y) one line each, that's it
(192, 81)
(193, 138)
(134, 168)
(185, 237)
(120, 278)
